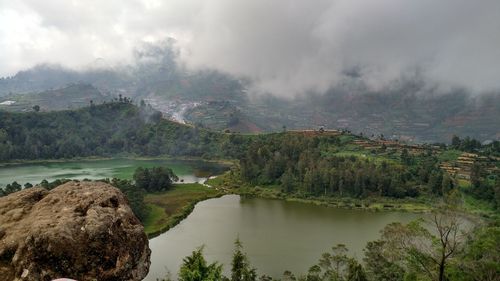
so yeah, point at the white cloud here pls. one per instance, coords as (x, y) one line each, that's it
(286, 46)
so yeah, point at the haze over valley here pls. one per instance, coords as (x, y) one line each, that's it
(250, 140)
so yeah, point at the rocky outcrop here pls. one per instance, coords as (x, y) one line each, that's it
(79, 230)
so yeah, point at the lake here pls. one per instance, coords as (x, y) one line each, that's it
(277, 235)
(188, 170)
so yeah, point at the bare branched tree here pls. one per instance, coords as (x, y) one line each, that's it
(426, 245)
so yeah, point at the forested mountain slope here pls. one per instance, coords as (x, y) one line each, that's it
(100, 130)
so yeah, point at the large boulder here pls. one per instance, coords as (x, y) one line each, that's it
(79, 230)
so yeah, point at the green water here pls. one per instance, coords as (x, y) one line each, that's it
(187, 170)
(277, 235)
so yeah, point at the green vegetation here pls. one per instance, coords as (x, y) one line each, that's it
(170, 207)
(101, 130)
(154, 179)
(449, 155)
(135, 196)
(10, 188)
(300, 166)
(195, 268)
(332, 170)
(241, 269)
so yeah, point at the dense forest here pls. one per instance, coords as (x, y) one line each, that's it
(101, 130)
(320, 166)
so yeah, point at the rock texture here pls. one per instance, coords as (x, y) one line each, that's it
(79, 230)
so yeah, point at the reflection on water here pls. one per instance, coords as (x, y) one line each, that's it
(277, 235)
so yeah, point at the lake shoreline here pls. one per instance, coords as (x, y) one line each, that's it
(263, 224)
(180, 216)
(183, 197)
(334, 203)
(117, 157)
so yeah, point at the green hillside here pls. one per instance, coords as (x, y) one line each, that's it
(100, 130)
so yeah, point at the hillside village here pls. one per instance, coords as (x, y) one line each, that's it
(462, 167)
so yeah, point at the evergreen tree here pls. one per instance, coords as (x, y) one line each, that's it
(287, 181)
(241, 269)
(195, 268)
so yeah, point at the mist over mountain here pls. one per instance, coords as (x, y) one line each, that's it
(287, 48)
(418, 70)
(410, 109)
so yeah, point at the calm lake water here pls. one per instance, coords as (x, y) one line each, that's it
(187, 170)
(277, 235)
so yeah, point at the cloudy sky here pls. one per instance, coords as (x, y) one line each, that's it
(286, 46)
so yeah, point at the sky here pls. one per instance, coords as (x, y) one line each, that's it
(287, 47)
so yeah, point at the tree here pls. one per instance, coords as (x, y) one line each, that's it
(13, 187)
(481, 258)
(195, 268)
(154, 179)
(476, 175)
(435, 182)
(4, 136)
(334, 265)
(426, 249)
(379, 265)
(405, 157)
(36, 108)
(134, 195)
(455, 141)
(288, 276)
(356, 271)
(241, 269)
(44, 183)
(288, 181)
(447, 184)
(497, 193)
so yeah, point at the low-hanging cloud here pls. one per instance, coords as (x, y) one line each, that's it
(287, 47)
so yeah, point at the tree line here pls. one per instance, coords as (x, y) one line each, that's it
(305, 165)
(472, 145)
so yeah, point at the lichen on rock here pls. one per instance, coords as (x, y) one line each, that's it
(79, 230)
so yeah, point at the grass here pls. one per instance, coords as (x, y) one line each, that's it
(449, 155)
(168, 208)
(217, 181)
(479, 207)
(463, 183)
(366, 154)
(476, 206)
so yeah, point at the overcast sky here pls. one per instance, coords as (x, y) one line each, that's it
(287, 47)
